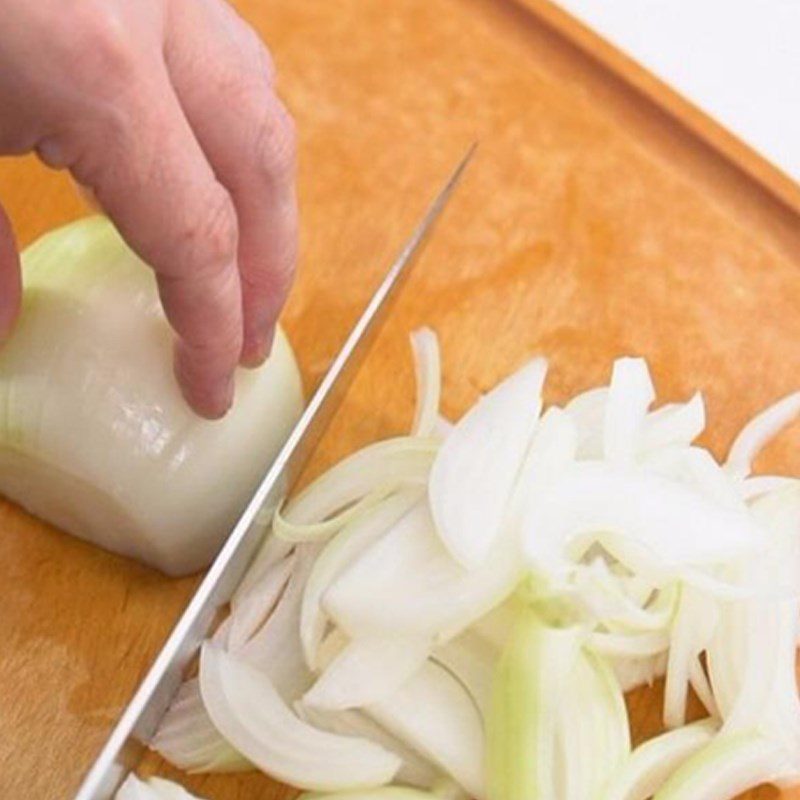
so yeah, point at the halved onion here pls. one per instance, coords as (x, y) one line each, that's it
(93, 426)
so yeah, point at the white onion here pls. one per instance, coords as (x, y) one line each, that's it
(250, 714)
(434, 714)
(476, 469)
(94, 434)
(484, 603)
(152, 789)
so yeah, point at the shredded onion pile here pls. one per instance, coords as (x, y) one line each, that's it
(458, 612)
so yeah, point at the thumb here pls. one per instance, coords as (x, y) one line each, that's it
(10, 278)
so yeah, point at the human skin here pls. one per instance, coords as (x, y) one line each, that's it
(166, 112)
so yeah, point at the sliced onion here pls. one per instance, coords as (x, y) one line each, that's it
(692, 631)
(635, 672)
(275, 648)
(337, 555)
(153, 789)
(245, 707)
(532, 677)
(755, 435)
(725, 768)
(383, 793)
(673, 425)
(552, 450)
(367, 671)
(630, 394)
(752, 658)
(594, 498)
(697, 469)
(754, 487)
(587, 411)
(414, 770)
(699, 681)
(636, 645)
(282, 528)
(475, 471)
(250, 611)
(377, 468)
(603, 595)
(408, 583)
(188, 739)
(167, 790)
(434, 714)
(472, 660)
(272, 551)
(427, 367)
(650, 764)
(593, 737)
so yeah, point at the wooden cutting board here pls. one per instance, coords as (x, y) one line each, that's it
(590, 225)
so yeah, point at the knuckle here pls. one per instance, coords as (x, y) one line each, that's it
(210, 237)
(276, 144)
(102, 50)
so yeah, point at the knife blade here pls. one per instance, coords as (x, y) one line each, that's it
(140, 719)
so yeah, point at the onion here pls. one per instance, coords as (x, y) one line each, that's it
(188, 739)
(464, 612)
(407, 582)
(94, 434)
(367, 671)
(338, 554)
(650, 764)
(427, 366)
(476, 469)
(435, 715)
(591, 499)
(415, 769)
(758, 432)
(153, 789)
(629, 396)
(532, 678)
(245, 707)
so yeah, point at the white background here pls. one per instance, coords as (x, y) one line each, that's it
(738, 60)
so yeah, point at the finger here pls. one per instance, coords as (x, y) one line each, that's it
(222, 75)
(10, 281)
(148, 172)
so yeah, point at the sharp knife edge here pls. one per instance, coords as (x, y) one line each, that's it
(140, 719)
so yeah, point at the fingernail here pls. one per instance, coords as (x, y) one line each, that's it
(226, 395)
(258, 348)
(218, 401)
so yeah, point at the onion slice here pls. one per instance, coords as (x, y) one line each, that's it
(427, 368)
(415, 769)
(245, 707)
(755, 435)
(630, 394)
(426, 712)
(337, 555)
(153, 788)
(375, 469)
(650, 764)
(407, 582)
(367, 671)
(474, 474)
(591, 499)
(532, 676)
(188, 739)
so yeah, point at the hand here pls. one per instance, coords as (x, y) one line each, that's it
(165, 110)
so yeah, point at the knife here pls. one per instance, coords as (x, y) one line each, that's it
(141, 718)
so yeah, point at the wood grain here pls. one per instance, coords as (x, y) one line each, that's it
(590, 225)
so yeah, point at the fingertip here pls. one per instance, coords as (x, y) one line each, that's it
(257, 348)
(209, 396)
(10, 278)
